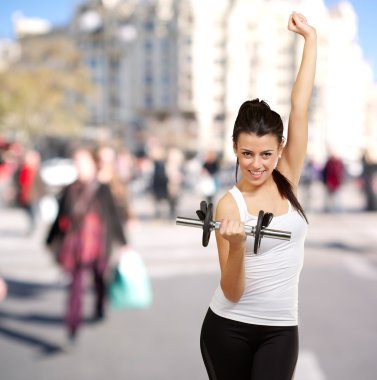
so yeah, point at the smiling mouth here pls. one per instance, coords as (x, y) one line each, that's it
(256, 174)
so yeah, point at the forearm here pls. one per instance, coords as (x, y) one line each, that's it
(233, 274)
(303, 86)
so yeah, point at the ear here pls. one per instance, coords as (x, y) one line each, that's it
(281, 148)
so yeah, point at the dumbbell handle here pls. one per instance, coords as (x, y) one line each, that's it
(249, 230)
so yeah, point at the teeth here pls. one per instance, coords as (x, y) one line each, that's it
(255, 173)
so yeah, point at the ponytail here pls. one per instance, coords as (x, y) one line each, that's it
(285, 190)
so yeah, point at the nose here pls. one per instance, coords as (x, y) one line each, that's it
(255, 162)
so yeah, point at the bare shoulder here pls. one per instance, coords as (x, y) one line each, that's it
(227, 208)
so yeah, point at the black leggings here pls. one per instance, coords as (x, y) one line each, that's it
(235, 350)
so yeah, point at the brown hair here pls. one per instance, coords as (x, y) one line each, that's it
(255, 116)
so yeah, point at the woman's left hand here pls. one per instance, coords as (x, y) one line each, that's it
(297, 23)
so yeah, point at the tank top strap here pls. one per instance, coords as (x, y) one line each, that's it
(240, 201)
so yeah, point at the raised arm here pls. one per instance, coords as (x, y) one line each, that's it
(295, 150)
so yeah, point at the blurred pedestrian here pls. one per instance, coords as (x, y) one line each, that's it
(333, 177)
(369, 176)
(209, 181)
(251, 327)
(126, 167)
(87, 225)
(306, 180)
(174, 173)
(29, 186)
(108, 173)
(159, 185)
(3, 289)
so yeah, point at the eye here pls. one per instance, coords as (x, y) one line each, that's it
(246, 154)
(266, 154)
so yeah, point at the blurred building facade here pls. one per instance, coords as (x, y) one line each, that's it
(179, 70)
(9, 53)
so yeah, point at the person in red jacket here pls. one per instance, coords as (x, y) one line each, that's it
(333, 176)
(29, 186)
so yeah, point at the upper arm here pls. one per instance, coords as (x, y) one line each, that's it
(226, 209)
(294, 152)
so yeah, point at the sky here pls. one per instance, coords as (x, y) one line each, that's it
(58, 12)
(366, 11)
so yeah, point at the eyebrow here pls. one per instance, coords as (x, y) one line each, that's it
(263, 151)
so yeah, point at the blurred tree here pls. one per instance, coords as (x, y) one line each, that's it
(44, 92)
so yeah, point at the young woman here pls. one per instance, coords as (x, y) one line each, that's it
(251, 328)
(87, 225)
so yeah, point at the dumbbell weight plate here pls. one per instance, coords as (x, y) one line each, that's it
(207, 225)
(202, 211)
(267, 218)
(258, 228)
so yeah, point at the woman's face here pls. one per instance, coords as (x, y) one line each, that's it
(85, 166)
(257, 156)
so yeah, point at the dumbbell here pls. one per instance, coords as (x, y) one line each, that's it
(206, 223)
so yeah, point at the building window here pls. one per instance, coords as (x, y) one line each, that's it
(148, 79)
(148, 46)
(165, 79)
(165, 100)
(91, 63)
(148, 101)
(149, 26)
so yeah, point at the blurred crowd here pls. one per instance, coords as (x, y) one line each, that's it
(162, 174)
(29, 182)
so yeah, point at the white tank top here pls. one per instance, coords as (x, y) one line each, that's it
(271, 277)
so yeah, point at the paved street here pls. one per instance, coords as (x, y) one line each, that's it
(338, 304)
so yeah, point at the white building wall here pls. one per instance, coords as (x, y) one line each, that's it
(260, 58)
(207, 45)
(348, 84)
(216, 57)
(263, 62)
(370, 142)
